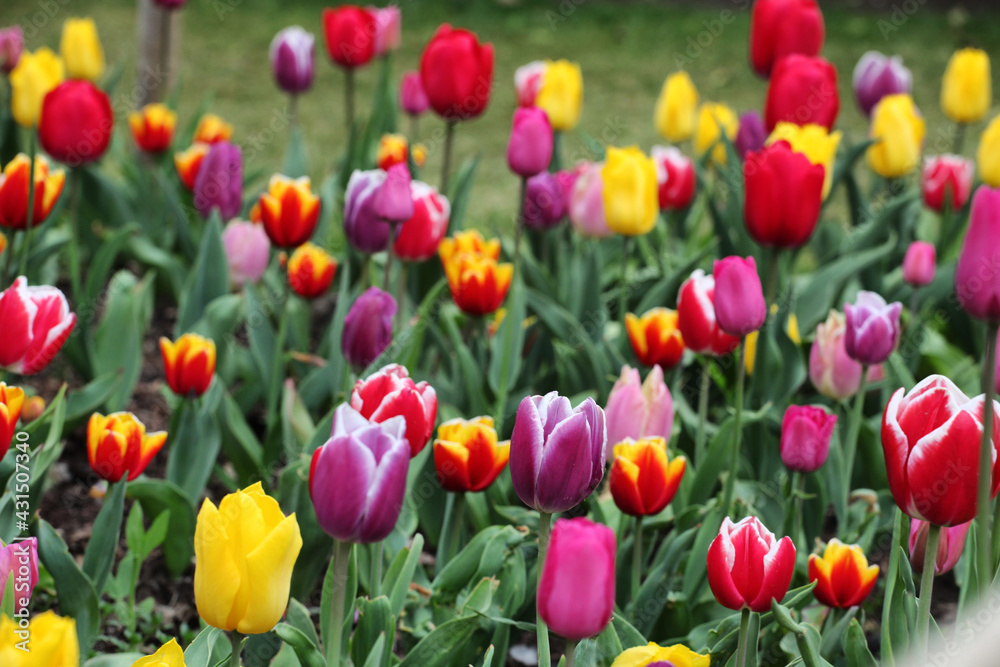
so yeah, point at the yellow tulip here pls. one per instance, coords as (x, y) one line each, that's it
(966, 92)
(677, 655)
(711, 118)
(750, 351)
(168, 655)
(898, 130)
(35, 75)
(813, 141)
(630, 191)
(81, 49)
(50, 641)
(561, 94)
(244, 551)
(988, 153)
(676, 107)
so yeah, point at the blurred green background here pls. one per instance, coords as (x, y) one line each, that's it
(625, 49)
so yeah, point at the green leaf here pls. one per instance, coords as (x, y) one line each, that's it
(307, 652)
(856, 647)
(100, 554)
(77, 597)
(102, 262)
(119, 337)
(169, 267)
(400, 580)
(296, 160)
(460, 191)
(783, 618)
(209, 278)
(438, 647)
(375, 654)
(508, 343)
(199, 653)
(375, 620)
(119, 660)
(239, 443)
(195, 446)
(83, 402)
(300, 618)
(158, 496)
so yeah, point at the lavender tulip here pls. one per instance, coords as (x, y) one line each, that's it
(877, 75)
(545, 201)
(357, 480)
(586, 201)
(368, 327)
(219, 184)
(365, 230)
(751, 135)
(394, 201)
(247, 251)
(638, 410)
(293, 56)
(557, 452)
(872, 328)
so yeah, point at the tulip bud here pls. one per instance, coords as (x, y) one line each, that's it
(779, 28)
(675, 178)
(389, 392)
(675, 108)
(842, 575)
(805, 437)
(748, 567)
(966, 93)
(561, 94)
(212, 129)
(11, 403)
(557, 454)
(76, 123)
(739, 298)
(388, 28)
(310, 270)
(289, 210)
(639, 411)
(393, 201)
(529, 149)
(169, 655)
(118, 444)
(244, 554)
(11, 47)
(803, 90)
(947, 175)
(950, 546)
(576, 588)
(34, 76)
(872, 328)
(784, 192)
(898, 131)
(813, 141)
(188, 163)
(188, 364)
(643, 480)
(81, 50)
(751, 134)
(528, 81)
(631, 200)
(654, 655)
(467, 456)
(655, 337)
(368, 327)
(418, 238)
(412, 98)
(586, 201)
(14, 191)
(545, 203)
(153, 127)
(918, 264)
(293, 56)
(36, 323)
(876, 76)
(714, 120)
(248, 251)
(350, 35)
(54, 641)
(457, 73)
(219, 184)
(19, 562)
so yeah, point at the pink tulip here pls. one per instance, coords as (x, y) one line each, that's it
(36, 323)
(394, 200)
(918, 264)
(528, 81)
(11, 47)
(977, 277)
(248, 251)
(739, 298)
(805, 437)
(586, 201)
(576, 590)
(529, 149)
(950, 545)
(832, 372)
(20, 561)
(412, 98)
(388, 28)
(638, 410)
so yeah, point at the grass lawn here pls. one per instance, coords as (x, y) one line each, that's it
(625, 50)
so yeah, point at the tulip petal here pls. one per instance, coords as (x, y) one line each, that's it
(526, 443)
(566, 471)
(385, 493)
(216, 576)
(721, 556)
(269, 572)
(943, 469)
(779, 566)
(347, 465)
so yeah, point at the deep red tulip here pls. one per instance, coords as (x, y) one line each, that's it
(350, 35)
(76, 122)
(784, 192)
(675, 178)
(457, 73)
(803, 90)
(782, 27)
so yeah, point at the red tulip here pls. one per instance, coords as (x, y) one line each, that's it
(76, 122)
(696, 317)
(782, 27)
(36, 323)
(803, 90)
(418, 238)
(748, 567)
(350, 35)
(457, 73)
(675, 178)
(947, 174)
(390, 392)
(950, 546)
(784, 191)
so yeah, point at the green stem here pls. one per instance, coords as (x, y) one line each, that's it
(388, 258)
(772, 276)
(636, 559)
(743, 648)
(29, 225)
(623, 293)
(734, 455)
(277, 368)
(449, 138)
(451, 530)
(890, 582)
(376, 574)
(349, 100)
(699, 442)
(519, 231)
(985, 569)
(544, 525)
(853, 429)
(414, 131)
(959, 139)
(927, 589)
(237, 648)
(74, 234)
(338, 592)
(400, 297)
(570, 653)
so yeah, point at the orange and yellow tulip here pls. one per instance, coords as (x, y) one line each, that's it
(656, 338)
(189, 363)
(467, 456)
(643, 478)
(478, 283)
(289, 211)
(14, 191)
(211, 129)
(153, 127)
(188, 162)
(392, 149)
(118, 444)
(468, 242)
(842, 575)
(310, 270)
(11, 402)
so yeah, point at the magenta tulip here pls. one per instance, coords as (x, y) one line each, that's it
(739, 298)
(394, 200)
(872, 328)
(950, 545)
(977, 276)
(19, 562)
(293, 57)
(876, 76)
(919, 263)
(751, 135)
(529, 149)
(368, 327)
(805, 437)
(412, 98)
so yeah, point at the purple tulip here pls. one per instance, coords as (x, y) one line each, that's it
(219, 183)
(293, 56)
(739, 298)
(529, 149)
(977, 280)
(248, 251)
(950, 545)
(368, 327)
(394, 201)
(637, 410)
(751, 135)
(11, 47)
(169, 4)
(586, 201)
(358, 478)
(365, 230)
(545, 202)
(872, 328)
(876, 76)
(412, 97)
(557, 452)
(805, 437)
(20, 561)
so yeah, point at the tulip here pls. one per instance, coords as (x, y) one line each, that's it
(947, 174)
(561, 94)
(544, 201)
(392, 149)
(188, 163)
(388, 28)
(803, 90)
(631, 200)
(289, 210)
(528, 81)
(118, 444)
(654, 655)
(467, 456)
(153, 127)
(876, 76)
(53, 641)
(813, 141)
(412, 97)
(832, 371)
(586, 201)
(212, 129)
(918, 264)
(714, 120)
(11, 402)
(457, 73)
(350, 35)
(872, 328)
(898, 131)
(748, 567)
(169, 5)
(81, 50)
(418, 238)
(11, 47)
(988, 154)
(188, 363)
(244, 554)
(655, 337)
(362, 225)
(779, 28)
(643, 479)
(368, 327)
(976, 281)
(639, 411)
(931, 438)
(76, 122)
(169, 655)
(950, 546)
(34, 407)
(784, 192)
(739, 298)
(805, 437)
(557, 452)
(696, 317)
(14, 191)
(478, 283)
(19, 563)
(293, 57)
(389, 392)
(675, 178)
(468, 242)
(36, 323)
(751, 135)
(248, 251)
(842, 575)
(675, 108)
(966, 93)
(30, 81)
(310, 270)
(219, 184)
(529, 149)
(394, 201)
